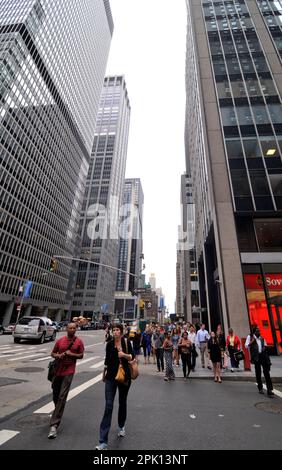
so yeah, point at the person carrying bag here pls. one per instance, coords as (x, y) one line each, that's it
(117, 375)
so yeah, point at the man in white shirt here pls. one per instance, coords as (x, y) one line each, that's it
(259, 357)
(201, 341)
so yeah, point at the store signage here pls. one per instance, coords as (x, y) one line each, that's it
(255, 281)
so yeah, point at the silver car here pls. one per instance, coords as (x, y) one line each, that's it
(34, 328)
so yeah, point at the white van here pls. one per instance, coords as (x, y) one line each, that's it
(34, 328)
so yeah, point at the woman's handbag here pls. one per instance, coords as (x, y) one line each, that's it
(120, 377)
(133, 366)
(239, 355)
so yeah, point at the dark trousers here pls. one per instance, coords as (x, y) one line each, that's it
(111, 386)
(258, 365)
(160, 358)
(193, 357)
(186, 362)
(233, 360)
(61, 387)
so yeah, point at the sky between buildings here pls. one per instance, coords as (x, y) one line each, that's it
(148, 48)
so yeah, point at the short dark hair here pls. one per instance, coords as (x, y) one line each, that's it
(119, 326)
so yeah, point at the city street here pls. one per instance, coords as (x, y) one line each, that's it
(197, 414)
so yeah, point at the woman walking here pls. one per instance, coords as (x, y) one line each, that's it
(215, 355)
(168, 350)
(233, 344)
(185, 347)
(118, 351)
(175, 339)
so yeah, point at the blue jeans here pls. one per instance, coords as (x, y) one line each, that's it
(110, 393)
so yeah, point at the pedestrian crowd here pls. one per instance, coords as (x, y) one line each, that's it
(166, 346)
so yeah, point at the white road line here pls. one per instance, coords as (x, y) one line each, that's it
(47, 409)
(279, 394)
(24, 357)
(87, 360)
(90, 345)
(42, 359)
(99, 364)
(6, 435)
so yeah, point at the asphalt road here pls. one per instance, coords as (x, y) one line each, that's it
(197, 414)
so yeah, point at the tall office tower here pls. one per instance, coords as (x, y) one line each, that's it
(131, 237)
(153, 281)
(187, 246)
(233, 149)
(52, 62)
(180, 283)
(99, 221)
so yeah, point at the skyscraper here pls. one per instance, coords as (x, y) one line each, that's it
(99, 220)
(233, 150)
(131, 239)
(52, 62)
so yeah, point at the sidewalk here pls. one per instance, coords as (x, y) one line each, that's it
(200, 373)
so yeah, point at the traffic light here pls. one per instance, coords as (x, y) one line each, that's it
(53, 265)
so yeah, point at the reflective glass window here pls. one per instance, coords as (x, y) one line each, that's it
(228, 116)
(223, 89)
(238, 89)
(275, 111)
(253, 88)
(268, 87)
(234, 148)
(252, 148)
(259, 183)
(269, 147)
(240, 183)
(260, 114)
(244, 115)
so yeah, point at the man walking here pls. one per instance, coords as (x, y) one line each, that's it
(201, 341)
(67, 350)
(158, 340)
(259, 357)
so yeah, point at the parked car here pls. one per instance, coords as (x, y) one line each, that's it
(34, 328)
(7, 330)
(56, 325)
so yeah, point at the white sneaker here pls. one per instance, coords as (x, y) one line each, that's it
(53, 432)
(121, 432)
(102, 446)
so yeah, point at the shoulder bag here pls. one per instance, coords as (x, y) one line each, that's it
(133, 366)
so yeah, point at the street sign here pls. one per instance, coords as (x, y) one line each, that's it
(148, 304)
(18, 308)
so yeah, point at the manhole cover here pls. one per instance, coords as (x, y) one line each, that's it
(29, 369)
(7, 381)
(33, 421)
(275, 408)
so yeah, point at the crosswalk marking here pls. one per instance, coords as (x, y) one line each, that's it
(42, 359)
(24, 357)
(47, 409)
(95, 344)
(99, 364)
(87, 360)
(6, 435)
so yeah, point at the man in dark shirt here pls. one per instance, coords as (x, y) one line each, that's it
(67, 350)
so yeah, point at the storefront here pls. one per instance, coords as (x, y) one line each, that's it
(264, 297)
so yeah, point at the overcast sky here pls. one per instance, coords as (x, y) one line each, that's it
(148, 48)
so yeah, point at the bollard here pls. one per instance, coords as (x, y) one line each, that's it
(247, 362)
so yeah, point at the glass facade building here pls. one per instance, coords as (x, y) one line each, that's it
(239, 77)
(94, 285)
(131, 236)
(52, 62)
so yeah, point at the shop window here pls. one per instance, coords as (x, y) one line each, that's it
(246, 234)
